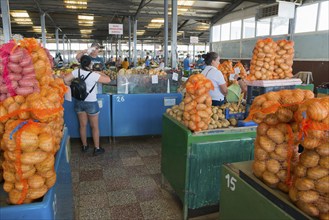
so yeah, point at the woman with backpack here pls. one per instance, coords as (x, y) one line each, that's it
(88, 108)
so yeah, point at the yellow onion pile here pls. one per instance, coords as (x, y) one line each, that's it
(197, 103)
(29, 161)
(276, 141)
(284, 59)
(272, 60)
(310, 189)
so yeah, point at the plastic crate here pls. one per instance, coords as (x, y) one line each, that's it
(238, 116)
(254, 91)
(322, 91)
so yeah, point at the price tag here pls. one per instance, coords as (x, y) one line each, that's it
(100, 103)
(175, 76)
(231, 76)
(236, 70)
(169, 101)
(184, 79)
(155, 79)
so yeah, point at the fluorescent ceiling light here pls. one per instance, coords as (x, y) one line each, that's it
(157, 20)
(185, 3)
(72, 2)
(24, 22)
(19, 14)
(140, 32)
(86, 17)
(154, 25)
(22, 19)
(85, 31)
(37, 29)
(75, 7)
(86, 23)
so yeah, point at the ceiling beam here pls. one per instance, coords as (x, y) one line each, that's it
(141, 5)
(227, 9)
(182, 25)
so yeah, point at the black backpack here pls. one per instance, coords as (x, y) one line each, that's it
(79, 88)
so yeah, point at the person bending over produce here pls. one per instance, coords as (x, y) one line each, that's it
(88, 109)
(97, 61)
(211, 72)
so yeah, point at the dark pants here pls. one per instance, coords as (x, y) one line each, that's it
(217, 103)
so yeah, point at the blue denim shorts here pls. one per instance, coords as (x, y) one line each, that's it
(91, 108)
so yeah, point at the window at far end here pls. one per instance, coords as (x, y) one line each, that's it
(263, 27)
(235, 30)
(324, 16)
(225, 32)
(306, 18)
(280, 26)
(216, 33)
(248, 27)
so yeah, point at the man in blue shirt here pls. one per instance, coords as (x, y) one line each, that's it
(187, 67)
(200, 64)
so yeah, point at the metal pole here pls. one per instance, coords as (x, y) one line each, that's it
(69, 51)
(116, 48)
(6, 20)
(135, 42)
(142, 51)
(43, 29)
(57, 40)
(210, 38)
(165, 49)
(193, 53)
(63, 47)
(155, 54)
(129, 37)
(174, 33)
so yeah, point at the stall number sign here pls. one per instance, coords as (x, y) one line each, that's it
(194, 40)
(116, 29)
(230, 182)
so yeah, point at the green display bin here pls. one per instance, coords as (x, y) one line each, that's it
(243, 196)
(305, 87)
(190, 161)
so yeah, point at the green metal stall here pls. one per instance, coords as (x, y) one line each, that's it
(243, 196)
(190, 161)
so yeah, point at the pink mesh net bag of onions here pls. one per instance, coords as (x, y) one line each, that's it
(17, 76)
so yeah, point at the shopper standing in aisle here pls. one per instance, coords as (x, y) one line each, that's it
(88, 109)
(147, 62)
(97, 62)
(200, 64)
(187, 67)
(211, 72)
(125, 63)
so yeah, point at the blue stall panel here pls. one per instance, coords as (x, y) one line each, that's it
(58, 201)
(140, 114)
(72, 123)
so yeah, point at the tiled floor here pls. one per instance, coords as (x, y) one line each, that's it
(123, 183)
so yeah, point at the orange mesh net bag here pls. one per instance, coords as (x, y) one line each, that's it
(310, 188)
(29, 161)
(276, 144)
(197, 103)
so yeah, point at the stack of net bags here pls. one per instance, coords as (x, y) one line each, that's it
(31, 119)
(310, 188)
(272, 60)
(197, 103)
(226, 68)
(276, 144)
(243, 72)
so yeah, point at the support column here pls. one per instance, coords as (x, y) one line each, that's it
(43, 29)
(174, 34)
(63, 53)
(165, 46)
(210, 38)
(193, 60)
(57, 40)
(135, 42)
(6, 25)
(129, 43)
